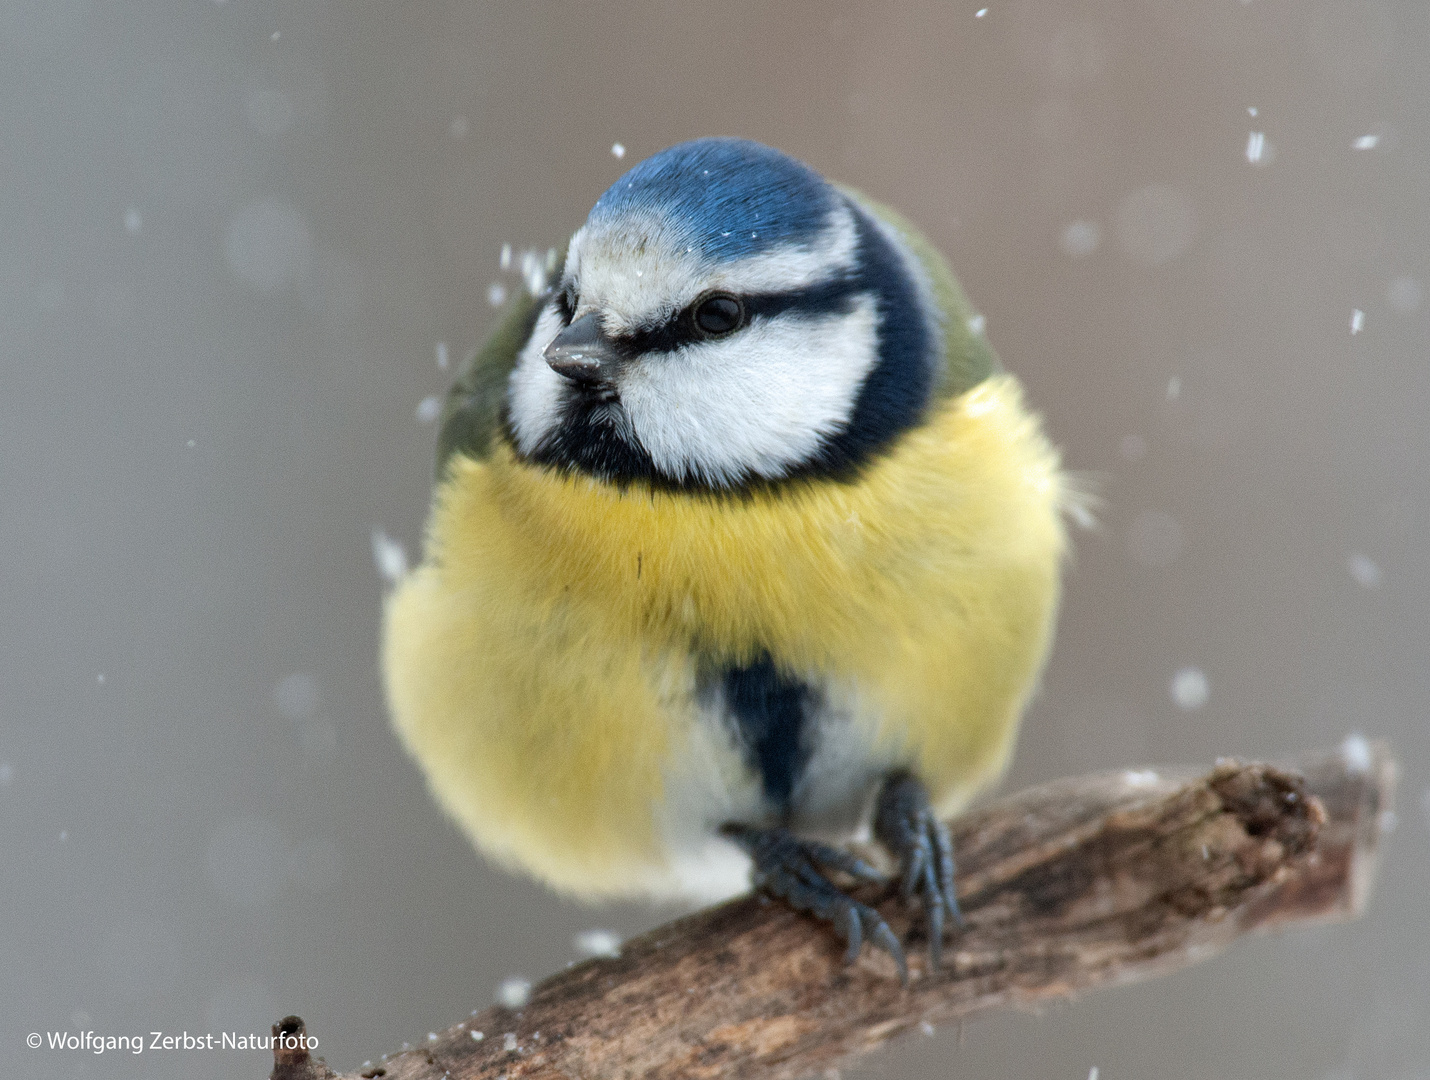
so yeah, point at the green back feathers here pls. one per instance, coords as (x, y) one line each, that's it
(968, 358)
(473, 411)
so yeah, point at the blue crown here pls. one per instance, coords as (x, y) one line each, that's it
(726, 198)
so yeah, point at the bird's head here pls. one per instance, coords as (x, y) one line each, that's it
(725, 317)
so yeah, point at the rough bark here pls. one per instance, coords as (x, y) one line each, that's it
(1067, 887)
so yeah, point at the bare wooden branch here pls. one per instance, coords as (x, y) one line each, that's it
(1067, 887)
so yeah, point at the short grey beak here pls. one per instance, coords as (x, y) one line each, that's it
(582, 353)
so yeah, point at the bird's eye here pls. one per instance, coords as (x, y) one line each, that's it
(566, 305)
(718, 314)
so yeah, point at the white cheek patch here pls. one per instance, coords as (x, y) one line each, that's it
(760, 402)
(535, 392)
(643, 273)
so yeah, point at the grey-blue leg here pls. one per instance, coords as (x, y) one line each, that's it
(906, 825)
(793, 869)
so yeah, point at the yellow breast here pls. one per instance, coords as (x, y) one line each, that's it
(539, 662)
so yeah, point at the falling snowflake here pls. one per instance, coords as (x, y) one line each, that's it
(514, 992)
(1190, 689)
(1364, 570)
(598, 943)
(390, 557)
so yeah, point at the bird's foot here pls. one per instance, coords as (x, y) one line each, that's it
(906, 825)
(794, 870)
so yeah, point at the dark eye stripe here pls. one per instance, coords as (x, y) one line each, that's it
(832, 297)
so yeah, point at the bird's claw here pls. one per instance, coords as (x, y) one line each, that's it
(905, 823)
(794, 870)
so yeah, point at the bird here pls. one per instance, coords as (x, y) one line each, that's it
(744, 548)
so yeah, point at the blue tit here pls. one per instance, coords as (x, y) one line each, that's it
(742, 545)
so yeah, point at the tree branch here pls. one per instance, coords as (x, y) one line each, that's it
(1066, 887)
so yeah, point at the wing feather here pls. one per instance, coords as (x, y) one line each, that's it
(472, 414)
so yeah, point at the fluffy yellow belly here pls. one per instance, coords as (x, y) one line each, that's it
(541, 662)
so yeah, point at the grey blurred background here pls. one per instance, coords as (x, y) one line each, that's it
(237, 237)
